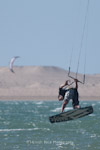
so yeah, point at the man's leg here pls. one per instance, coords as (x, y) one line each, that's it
(64, 105)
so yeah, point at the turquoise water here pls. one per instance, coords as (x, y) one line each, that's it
(24, 125)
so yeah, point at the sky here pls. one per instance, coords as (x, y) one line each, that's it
(49, 33)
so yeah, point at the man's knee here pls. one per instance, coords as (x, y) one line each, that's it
(66, 102)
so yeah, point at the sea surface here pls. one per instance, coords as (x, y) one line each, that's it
(24, 125)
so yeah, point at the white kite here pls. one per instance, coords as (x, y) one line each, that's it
(12, 62)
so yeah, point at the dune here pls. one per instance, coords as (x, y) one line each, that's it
(42, 83)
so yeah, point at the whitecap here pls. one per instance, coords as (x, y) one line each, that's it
(36, 128)
(16, 103)
(56, 110)
(92, 115)
(39, 103)
(59, 109)
(17, 135)
(68, 108)
(25, 103)
(5, 135)
(6, 122)
(16, 147)
(14, 130)
(46, 129)
(93, 136)
(84, 103)
(31, 123)
(93, 104)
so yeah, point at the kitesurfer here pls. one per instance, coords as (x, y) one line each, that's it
(66, 93)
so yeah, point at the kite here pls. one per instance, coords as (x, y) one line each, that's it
(12, 62)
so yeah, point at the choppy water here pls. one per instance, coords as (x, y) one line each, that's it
(24, 125)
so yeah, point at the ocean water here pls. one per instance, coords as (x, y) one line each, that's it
(24, 125)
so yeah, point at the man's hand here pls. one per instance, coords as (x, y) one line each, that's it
(76, 80)
(66, 83)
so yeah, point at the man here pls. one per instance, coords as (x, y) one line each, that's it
(66, 93)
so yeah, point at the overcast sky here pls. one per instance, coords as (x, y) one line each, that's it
(44, 32)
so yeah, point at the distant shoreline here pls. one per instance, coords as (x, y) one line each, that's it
(42, 83)
(42, 98)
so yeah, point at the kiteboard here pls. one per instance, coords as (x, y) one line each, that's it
(71, 114)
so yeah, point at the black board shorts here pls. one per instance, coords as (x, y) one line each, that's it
(75, 99)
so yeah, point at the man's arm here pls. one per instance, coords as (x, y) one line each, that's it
(65, 84)
(76, 83)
